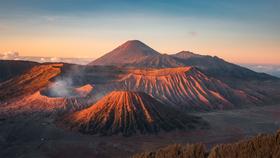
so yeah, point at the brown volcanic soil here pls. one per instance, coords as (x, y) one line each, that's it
(36, 135)
(129, 113)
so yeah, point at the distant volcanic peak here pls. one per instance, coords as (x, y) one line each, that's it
(134, 44)
(161, 72)
(128, 113)
(129, 52)
(186, 55)
(135, 47)
(186, 52)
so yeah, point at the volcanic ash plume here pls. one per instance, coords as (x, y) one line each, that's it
(61, 88)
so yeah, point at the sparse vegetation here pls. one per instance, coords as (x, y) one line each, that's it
(258, 147)
(261, 146)
(176, 151)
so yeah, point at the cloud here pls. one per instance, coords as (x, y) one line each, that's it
(269, 69)
(260, 66)
(55, 59)
(13, 55)
(42, 60)
(10, 55)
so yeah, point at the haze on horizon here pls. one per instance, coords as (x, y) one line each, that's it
(238, 31)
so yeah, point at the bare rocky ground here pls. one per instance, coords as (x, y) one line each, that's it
(36, 135)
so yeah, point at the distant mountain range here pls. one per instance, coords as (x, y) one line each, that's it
(134, 53)
(153, 59)
(132, 90)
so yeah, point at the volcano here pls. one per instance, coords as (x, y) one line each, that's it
(219, 68)
(187, 88)
(33, 91)
(35, 79)
(128, 113)
(136, 54)
(183, 87)
(129, 52)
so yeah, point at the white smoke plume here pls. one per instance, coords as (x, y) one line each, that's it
(61, 88)
(64, 86)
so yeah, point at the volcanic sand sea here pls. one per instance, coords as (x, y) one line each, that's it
(37, 136)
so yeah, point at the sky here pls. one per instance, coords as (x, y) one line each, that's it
(240, 31)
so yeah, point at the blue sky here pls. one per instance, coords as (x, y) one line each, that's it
(227, 28)
(249, 9)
